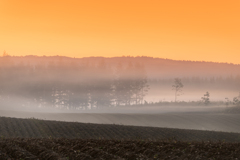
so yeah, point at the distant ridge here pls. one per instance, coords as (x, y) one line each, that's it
(101, 57)
(155, 67)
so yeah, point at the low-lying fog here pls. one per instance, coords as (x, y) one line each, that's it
(213, 121)
(186, 117)
(19, 104)
(128, 91)
(190, 111)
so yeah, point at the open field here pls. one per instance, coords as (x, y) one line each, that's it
(34, 128)
(54, 140)
(65, 149)
(173, 135)
(195, 120)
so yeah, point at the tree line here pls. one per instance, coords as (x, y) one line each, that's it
(73, 85)
(69, 83)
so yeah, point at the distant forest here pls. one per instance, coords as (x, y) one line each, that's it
(96, 82)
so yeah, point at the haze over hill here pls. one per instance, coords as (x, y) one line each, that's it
(172, 65)
(156, 68)
(120, 90)
(38, 78)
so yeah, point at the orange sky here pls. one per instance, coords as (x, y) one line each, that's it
(206, 30)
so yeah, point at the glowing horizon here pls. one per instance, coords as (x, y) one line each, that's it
(177, 30)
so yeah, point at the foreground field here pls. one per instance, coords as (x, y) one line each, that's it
(64, 149)
(55, 140)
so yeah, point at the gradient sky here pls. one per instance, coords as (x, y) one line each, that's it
(199, 30)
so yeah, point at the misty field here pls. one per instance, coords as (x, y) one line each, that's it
(128, 133)
(212, 121)
(34, 128)
(119, 79)
(118, 108)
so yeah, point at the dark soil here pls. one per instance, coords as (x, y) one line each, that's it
(64, 149)
(54, 140)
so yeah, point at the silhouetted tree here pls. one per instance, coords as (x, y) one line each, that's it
(205, 98)
(177, 87)
(131, 84)
(101, 86)
(140, 86)
(119, 87)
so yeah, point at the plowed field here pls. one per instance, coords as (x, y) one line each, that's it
(34, 128)
(64, 149)
(53, 140)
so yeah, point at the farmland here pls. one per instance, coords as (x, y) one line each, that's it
(212, 121)
(173, 135)
(34, 128)
(41, 139)
(56, 149)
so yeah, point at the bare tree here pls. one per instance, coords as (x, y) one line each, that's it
(205, 98)
(177, 87)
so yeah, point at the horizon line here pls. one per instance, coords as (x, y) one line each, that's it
(123, 56)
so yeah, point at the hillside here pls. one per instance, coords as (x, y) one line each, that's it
(34, 128)
(97, 82)
(170, 117)
(155, 67)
